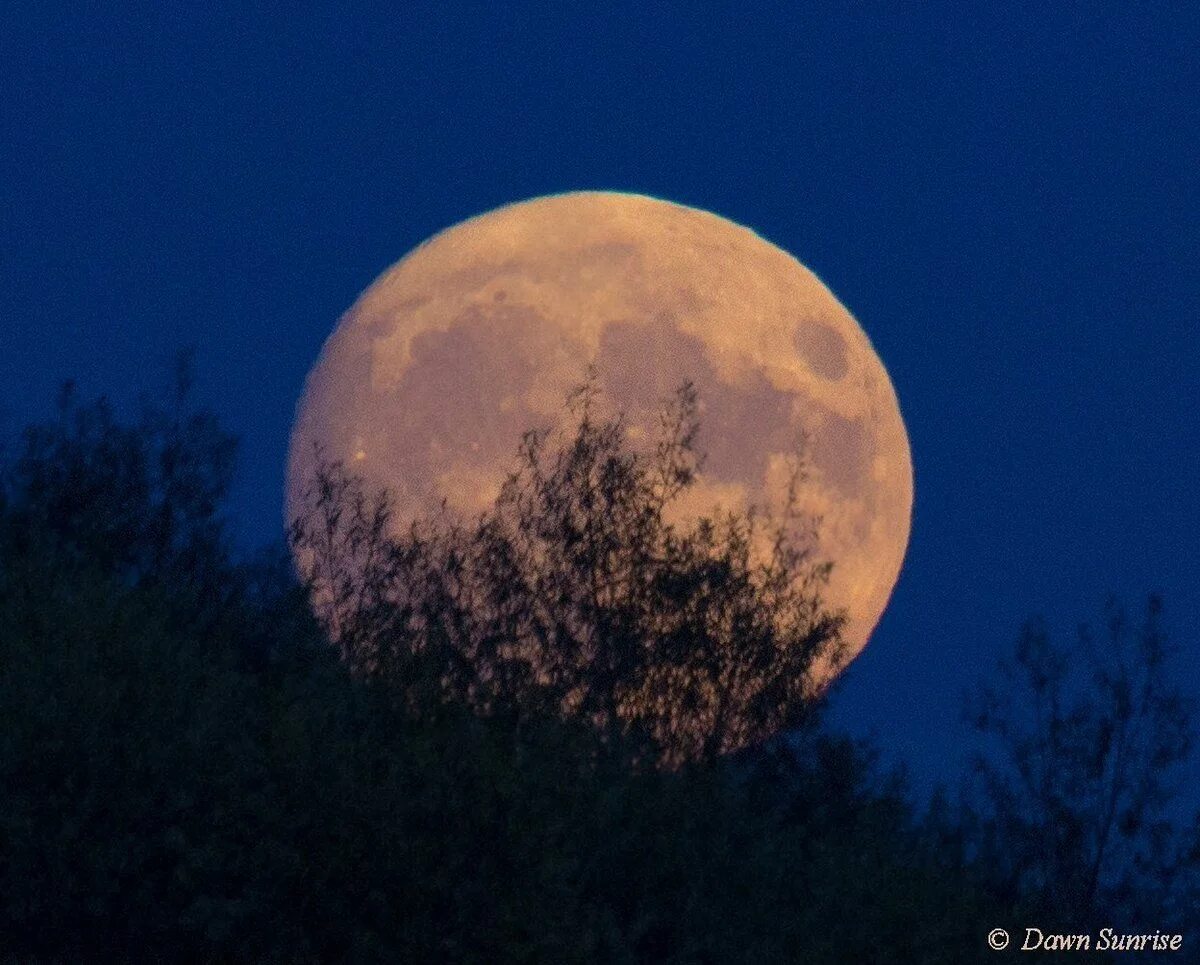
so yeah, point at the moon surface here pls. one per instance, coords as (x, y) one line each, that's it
(431, 377)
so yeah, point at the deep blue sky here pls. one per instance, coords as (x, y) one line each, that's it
(1005, 195)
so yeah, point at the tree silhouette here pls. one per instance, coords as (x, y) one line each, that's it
(140, 499)
(577, 592)
(188, 770)
(1076, 805)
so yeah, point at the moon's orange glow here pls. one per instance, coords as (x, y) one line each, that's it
(432, 375)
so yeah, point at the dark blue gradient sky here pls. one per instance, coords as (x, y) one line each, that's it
(1004, 194)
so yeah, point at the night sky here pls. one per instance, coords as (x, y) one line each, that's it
(1004, 195)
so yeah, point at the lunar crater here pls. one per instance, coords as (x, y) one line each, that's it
(823, 349)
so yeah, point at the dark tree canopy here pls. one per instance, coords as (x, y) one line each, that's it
(578, 592)
(189, 770)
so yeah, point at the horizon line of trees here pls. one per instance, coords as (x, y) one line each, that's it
(566, 732)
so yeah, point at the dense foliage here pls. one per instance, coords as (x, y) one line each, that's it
(189, 771)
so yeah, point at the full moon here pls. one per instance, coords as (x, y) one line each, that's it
(430, 379)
